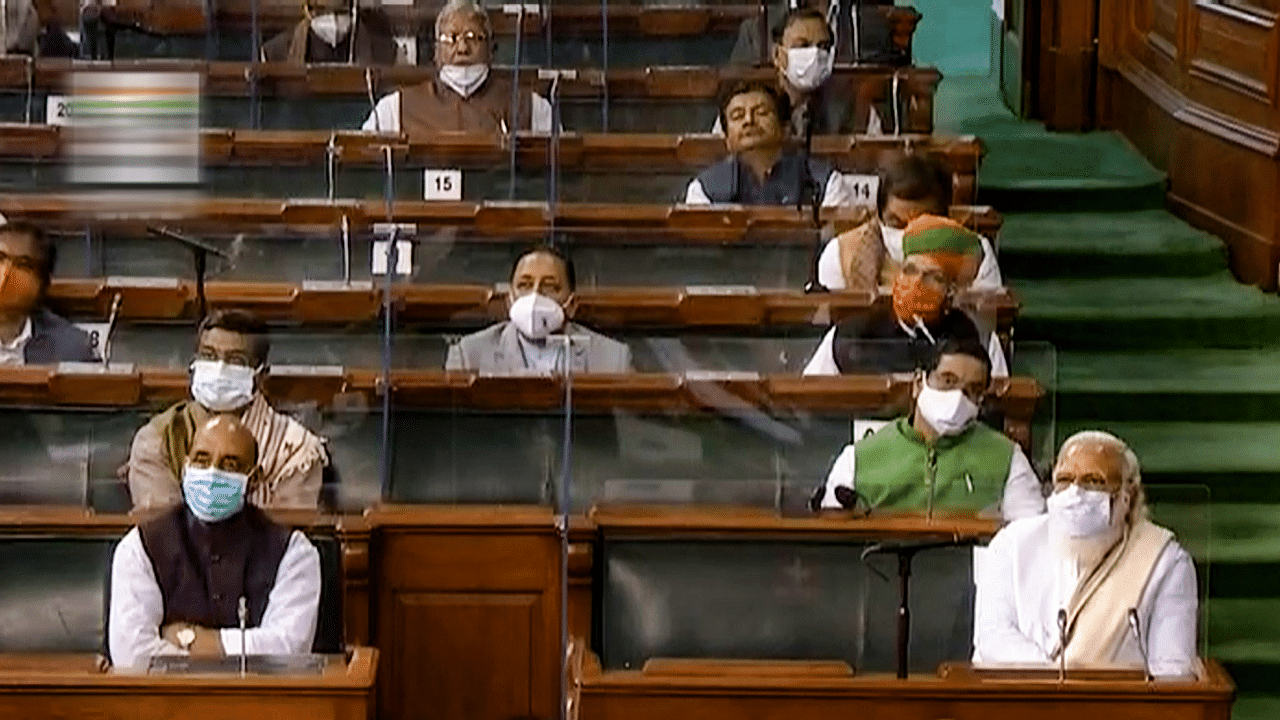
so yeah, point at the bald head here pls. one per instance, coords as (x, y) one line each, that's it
(224, 443)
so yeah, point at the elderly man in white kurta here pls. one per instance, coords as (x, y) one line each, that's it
(1097, 558)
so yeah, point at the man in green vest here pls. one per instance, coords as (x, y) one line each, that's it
(939, 457)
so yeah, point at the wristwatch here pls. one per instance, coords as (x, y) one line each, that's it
(186, 638)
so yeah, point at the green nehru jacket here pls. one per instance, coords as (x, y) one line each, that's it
(970, 469)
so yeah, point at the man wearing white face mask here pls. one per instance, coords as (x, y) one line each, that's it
(463, 96)
(177, 579)
(1123, 585)
(542, 287)
(802, 56)
(337, 31)
(226, 376)
(868, 256)
(939, 456)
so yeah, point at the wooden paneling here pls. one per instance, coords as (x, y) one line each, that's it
(468, 612)
(1196, 91)
(1067, 64)
(482, 642)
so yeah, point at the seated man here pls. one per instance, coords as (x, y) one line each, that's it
(974, 467)
(542, 287)
(336, 31)
(226, 378)
(869, 255)
(761, 169)
(1095, 559)
(802, 56)
(177, 580)
(900, 336)
(462, 97)
(30, 334)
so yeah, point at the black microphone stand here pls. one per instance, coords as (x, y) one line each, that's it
(906, 552)
(810, 192)
(200, 251)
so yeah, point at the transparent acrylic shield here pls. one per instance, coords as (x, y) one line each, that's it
(1188, 512)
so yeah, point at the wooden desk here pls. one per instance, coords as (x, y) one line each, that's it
(64, 686)
(711, 690)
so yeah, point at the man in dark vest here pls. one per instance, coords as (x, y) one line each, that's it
(463, 96)
(762, 168)
(179, 580)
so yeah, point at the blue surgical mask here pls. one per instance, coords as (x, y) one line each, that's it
(213, 494)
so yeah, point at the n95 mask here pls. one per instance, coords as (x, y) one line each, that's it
(948, 412)
(808, 67)
(536, 316)
(221, 387)
(464, 79)
(331, 27)
(1080, 512)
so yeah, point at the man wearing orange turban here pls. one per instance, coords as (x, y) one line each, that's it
(939, 256)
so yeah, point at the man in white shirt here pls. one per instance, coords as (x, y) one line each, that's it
(1118, 584)
(939, 456)
(178, 581)
(762, 169)
(541, 299)
(868, 256)
(463, 96)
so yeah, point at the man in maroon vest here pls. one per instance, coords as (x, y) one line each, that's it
(179, 580)
(463, 96)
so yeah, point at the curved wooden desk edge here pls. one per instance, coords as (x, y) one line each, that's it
(635, 518)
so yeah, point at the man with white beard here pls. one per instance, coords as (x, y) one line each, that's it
(1094, 560)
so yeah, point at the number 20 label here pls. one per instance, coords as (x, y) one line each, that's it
(442, 185)
(57, 110)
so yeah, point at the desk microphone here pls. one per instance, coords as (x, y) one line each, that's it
(243, 612)
(1136, 627)
(1062, 645)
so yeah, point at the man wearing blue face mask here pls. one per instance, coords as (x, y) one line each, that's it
(542, 295)
(1093, 579)
(226, 376)
(177, 580)
(939, 456)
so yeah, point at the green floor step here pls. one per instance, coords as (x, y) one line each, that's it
(1144, 243)
(1176, 372)
(1154, 314)
(1189, 447)
(1255, 706)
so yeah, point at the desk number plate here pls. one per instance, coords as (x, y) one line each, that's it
(864, 188)
(441, 184)
(57, 110)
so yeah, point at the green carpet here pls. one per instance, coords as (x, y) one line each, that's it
(1156, 343)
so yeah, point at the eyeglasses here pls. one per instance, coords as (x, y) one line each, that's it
(20, 262)
(470, 36)
(235, 357)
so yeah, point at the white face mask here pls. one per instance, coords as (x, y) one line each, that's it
(331, 27)
(808, 67)
(464, 79)
(221, 387)
(1080, 512)
(948, 412)
(892, 238)
(536, 316)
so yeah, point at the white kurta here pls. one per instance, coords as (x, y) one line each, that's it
(1022, 585)
(823, 361)
(832, 278)
(288, 624)
(385, 116)
(1021, 498)
(837, 193)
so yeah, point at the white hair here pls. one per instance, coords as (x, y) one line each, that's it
(1130, 468)
(463, 6)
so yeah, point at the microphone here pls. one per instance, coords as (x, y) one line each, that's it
(1062, 645)
(200, 251)
(1136, 627)
(243, 612)
(111, 328)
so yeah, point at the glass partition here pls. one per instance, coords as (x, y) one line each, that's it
(1186, 510)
